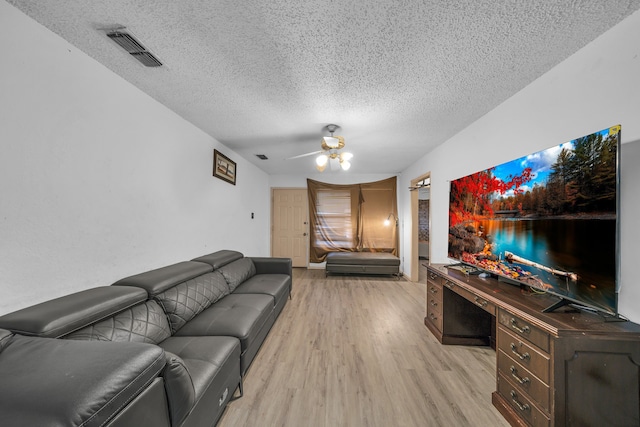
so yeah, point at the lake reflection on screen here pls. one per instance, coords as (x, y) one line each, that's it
(583, 246)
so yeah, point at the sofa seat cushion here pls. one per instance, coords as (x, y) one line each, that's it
(207, 361)
(205, 358)
(276, 285)
(236, 315)
(144, 322)
(186, 300)
(53, 382)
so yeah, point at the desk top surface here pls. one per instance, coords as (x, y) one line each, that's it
(527, 304)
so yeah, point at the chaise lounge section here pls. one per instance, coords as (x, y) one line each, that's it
(167, 347)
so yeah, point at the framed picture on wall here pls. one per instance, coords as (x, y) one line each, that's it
(223, 167)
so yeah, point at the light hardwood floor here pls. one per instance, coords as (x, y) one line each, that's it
(354, 351)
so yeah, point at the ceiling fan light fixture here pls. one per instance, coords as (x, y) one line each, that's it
(322, 160)
(330, 154)
(331, 141)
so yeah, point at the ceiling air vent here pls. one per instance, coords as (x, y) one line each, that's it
(135, 48)
(261, 156)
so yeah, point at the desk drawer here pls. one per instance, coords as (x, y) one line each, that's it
(524, 329)
(434, 309)
(434, 300)
(523, 379)
(521, 404)
(524, 354)
(435, 319)
(434, 297)
(472, 297)
(434, 277)
(434, 306)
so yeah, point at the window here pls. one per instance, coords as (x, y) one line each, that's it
(334, 225)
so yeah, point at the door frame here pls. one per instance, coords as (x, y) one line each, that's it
(415, 254)
(271, 227)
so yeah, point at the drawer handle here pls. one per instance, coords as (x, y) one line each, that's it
(433, 317)
(433, 276)
(514, 325)
(522, 406)
(522, 356)
(433, 303)
(449, 284)
(480, 302)
(433, 290)
(514, 374)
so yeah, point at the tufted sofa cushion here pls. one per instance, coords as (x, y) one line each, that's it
(237, 272)
(145, 323)
(186, 300)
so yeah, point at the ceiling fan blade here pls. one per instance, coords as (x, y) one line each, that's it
(304, 155)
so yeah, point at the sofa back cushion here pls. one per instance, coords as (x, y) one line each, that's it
(145, 323)
(186, 300)
(60, 316)
(237, 272)
(159, 280)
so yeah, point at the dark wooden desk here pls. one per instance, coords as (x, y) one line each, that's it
(566, 368)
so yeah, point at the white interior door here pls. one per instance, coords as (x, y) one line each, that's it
(290, 225)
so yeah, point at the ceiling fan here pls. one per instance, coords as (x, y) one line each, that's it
(330, 152)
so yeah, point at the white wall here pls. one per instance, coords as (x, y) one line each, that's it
(597, 87)
(99, 181)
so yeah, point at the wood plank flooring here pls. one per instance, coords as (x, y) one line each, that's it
(354, 351)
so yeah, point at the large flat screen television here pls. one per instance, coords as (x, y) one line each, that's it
(548, 220)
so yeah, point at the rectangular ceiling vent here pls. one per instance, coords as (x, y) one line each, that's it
(135, 48)
(261, 156)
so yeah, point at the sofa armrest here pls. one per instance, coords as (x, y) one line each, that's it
(181, 396)
(49, 381)
(270, 265)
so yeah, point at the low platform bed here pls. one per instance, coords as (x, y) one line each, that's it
(369, 263)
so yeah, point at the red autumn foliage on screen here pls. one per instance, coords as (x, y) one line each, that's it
(471, 195)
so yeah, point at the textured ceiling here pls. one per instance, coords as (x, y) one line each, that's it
(399, 77)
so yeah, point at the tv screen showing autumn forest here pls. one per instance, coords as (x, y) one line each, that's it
(548, 220)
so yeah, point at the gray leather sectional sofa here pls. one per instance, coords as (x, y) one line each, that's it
(167, 347)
